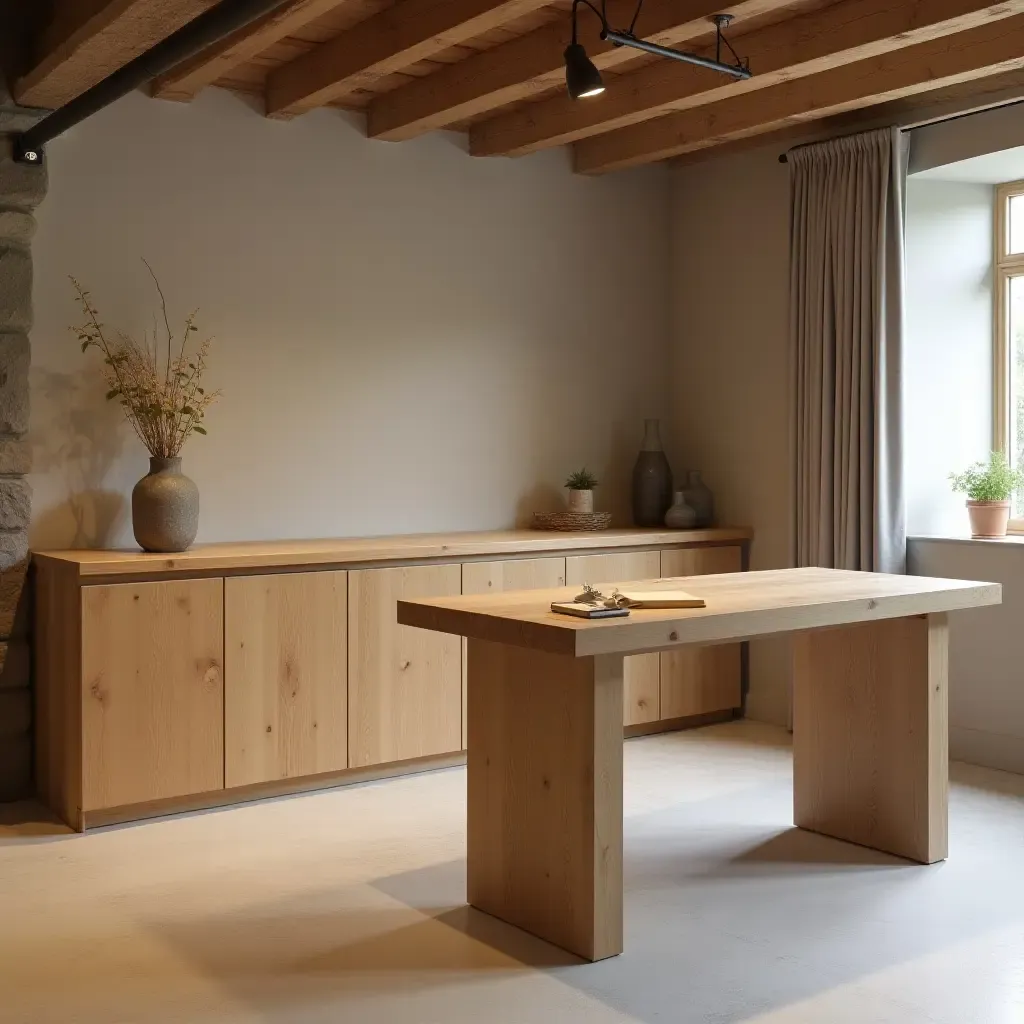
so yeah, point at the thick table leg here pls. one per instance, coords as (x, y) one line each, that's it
(870, 744)
(545, 794)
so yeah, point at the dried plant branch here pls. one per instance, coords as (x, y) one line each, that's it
(160, 392)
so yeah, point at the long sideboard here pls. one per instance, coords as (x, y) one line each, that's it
(235, 671)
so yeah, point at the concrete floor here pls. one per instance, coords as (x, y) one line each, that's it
(347, 906)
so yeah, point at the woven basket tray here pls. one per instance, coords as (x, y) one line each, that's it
(569, 521)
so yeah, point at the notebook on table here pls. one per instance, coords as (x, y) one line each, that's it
(627, 599)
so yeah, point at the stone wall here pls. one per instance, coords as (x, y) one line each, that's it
(22, 187)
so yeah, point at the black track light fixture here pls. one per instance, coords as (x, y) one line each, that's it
(582, 78)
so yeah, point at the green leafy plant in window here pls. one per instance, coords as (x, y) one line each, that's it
(994, 480)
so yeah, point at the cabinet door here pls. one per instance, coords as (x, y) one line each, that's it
(641, 696)
(697, 680)
(285, 676)
(153, 698)
(511, 574)
(405, 690)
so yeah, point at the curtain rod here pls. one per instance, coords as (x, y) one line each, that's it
(784, 157)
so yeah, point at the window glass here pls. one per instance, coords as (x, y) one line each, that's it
(1015, 327)
(1016, 225)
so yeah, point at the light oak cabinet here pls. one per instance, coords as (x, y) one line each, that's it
(700, 680)
(405, 685)
(508, 574)
(153, 691)
(286, 676)
(171, 681)
(641, 696)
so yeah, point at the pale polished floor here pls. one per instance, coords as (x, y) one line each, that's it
(347, 906)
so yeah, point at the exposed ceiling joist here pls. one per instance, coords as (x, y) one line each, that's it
(516, 70)
(410, 31)
(803, 46)
(830, 61)
(88, 40)
(992, 49)
(184, 81)
(912, 111)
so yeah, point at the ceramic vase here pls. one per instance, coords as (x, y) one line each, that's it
(652, 479)
(680, 516)
(988, 518)
(581, 501)
(165, 507)
(700, 499)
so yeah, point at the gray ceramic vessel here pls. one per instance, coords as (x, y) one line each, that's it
(652, 479)
(165, 507)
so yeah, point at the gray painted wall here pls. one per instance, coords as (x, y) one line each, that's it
(730, 376)
(407, 339)
(947, 346)
(986, 650)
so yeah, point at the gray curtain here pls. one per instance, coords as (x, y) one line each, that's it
(846, 326)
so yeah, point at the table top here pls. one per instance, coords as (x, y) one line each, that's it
(739, 606)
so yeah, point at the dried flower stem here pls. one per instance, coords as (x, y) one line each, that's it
(165, 404)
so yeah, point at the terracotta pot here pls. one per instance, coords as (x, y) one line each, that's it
(581, 501)
(988, 518)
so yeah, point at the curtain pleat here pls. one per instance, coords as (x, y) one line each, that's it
(846, 316)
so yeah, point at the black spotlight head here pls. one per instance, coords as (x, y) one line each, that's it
(581, 75)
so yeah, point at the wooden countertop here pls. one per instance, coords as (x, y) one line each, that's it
(248, 555)
(739, 606)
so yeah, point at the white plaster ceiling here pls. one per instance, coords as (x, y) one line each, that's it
(990, 169)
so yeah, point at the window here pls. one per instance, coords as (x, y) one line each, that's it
(1008, 378)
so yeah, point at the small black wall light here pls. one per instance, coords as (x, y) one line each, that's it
(582, 78)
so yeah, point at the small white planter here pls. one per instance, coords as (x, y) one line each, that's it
(581, 502)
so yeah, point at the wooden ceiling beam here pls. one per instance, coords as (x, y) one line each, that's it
(936, 105)
(188, 78)
(87, 40)
(991, 50)
(517, 69)
(411, 31)
(804, 45)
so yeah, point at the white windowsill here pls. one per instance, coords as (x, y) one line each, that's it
(1012, 539)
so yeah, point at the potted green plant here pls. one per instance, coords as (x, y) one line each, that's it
(988, 486)
(581, 486)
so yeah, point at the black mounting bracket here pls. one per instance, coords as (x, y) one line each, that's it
(24, 153)
(740, 69)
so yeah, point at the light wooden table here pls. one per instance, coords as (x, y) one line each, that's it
(545, 727)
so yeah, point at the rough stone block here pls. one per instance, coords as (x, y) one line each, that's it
(15, 713)
(13, 600)
(20, 184)
(15, 503)
(15, 286)
(14, 391)
(15, 665)
(15, 456)
(16, 225)
(13, 549)
(15, 768)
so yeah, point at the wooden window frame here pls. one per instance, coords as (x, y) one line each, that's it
(1005, 267)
